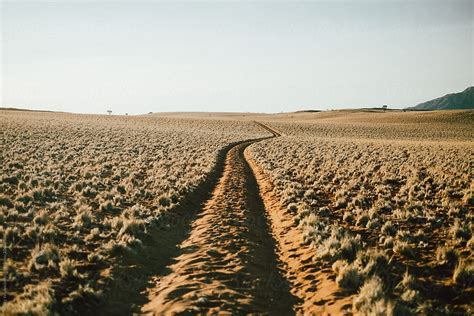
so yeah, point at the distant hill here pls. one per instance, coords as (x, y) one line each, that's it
(453, 101)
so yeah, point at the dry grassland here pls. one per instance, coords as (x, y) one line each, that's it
(79, 192)
(384, 202)
(368, 213)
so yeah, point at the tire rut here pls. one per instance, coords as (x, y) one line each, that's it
(229, 262)
(312, 283)
(126, 291)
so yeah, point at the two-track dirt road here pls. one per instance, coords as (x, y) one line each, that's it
(229, 262)
(243, 253)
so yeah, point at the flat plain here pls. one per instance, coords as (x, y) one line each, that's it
(337, 212)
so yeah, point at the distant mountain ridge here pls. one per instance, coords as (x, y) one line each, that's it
(454, 101)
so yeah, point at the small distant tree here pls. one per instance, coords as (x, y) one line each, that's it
(109, 111)
(126, 113)
(384, 107)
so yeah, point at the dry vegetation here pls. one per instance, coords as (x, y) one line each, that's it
(383, 202)
(423, 126)
(387, 205)
(77, 193)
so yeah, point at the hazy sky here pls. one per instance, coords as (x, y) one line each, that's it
(271, 56)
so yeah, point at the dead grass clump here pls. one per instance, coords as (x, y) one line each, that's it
(89, 192)
(83, 219)
(9, 270)
(464, 273)
(45, 257)
(338, 245)
(389, 229)
(50, 232)
(25, 198)
(324, 211)
(35, 300)
(460, 231)
(12, 215)
(470, 244)
(5, 201)
(447, 256)
(403, 248)
(388, 242)
(409, 287)
(107, 206)
(83, 294)
(292, 208)
(362, 219)
(367, 264)
(10, 180)
(133, 227)
(42, 218)
(38, 195)
(348, 217)
(94, 234)
(303, 211)
(114, 223)
(348, 276)
(406, 236)
(67, 268)
(313, 228)
(372, 299)
(350, 246)
(310, 194)
(468, 198)
(121, 189)
(95, 258)
(11, 235)
(373, 223)
(164, 201)
(372, 261)
(130, 243)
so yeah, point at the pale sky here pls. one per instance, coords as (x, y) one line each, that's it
(272, 56)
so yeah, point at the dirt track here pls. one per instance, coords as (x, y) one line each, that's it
(229, 262)
(315, 288)
(243, 254)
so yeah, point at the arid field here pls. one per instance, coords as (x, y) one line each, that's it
(337, 212)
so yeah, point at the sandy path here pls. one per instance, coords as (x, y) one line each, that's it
(245, 254)
(229, 263)
(314, 286)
